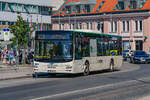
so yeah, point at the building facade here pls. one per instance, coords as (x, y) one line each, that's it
(128, 18)
(37, 12)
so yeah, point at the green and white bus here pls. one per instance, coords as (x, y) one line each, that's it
(76, 51)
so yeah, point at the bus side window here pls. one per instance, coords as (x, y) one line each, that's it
(99, 48)
(85, 47)
(78, 47)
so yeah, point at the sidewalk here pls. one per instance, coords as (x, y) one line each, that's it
(11, 72)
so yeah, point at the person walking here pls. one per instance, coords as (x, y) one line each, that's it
(20, 56)
(4, 56)
(10, 56)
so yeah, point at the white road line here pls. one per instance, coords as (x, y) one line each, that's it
(83, 90)
(90, 89)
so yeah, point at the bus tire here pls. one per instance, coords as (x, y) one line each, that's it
(86, 70)
(111, 68)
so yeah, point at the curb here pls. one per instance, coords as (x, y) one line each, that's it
(28, 76)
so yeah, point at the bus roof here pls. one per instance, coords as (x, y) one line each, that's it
(95, 32)
(80, 31)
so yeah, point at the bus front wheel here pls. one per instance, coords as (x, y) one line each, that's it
(86, 70)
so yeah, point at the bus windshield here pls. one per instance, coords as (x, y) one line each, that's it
(53, 50)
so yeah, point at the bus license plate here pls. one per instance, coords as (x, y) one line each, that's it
(51, 71)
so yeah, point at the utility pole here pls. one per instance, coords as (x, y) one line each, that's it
(16, 67)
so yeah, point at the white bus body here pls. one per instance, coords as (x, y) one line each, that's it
(95, 63)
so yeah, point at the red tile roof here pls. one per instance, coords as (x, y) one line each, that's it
(108, 6)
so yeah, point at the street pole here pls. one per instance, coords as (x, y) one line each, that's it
(16, 67)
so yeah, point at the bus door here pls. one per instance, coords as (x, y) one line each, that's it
(78, 62)
(93, 54)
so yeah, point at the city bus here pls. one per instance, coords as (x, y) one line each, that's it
(76, 51)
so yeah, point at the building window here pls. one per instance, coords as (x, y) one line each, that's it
(125, 26)
(70, 26)
(120, 6)
(68, 9)
(13, 7)
(123, 23)
(78, 10)
(87, 25)
(80, 25)
(59, 26)
(141, 25)
(139, 45)
(91, 25)
(133, 4)
(63, 26)
(0, 6)
(3, 22)
(43, 10)
(73, 26)
(4, 6)
(100, 26)
(10, 23)
(138, 25)
(142, 2)
(113, 25)
(87, 8)
(128, 25)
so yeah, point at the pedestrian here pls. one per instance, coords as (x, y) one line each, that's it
(10, 56)
(4, 56)
(30, 57)
(20, 56)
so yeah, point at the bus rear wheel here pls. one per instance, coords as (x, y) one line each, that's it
(86, 70)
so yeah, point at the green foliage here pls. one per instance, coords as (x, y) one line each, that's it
(20, 30)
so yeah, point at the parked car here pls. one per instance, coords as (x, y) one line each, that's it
(140, 57)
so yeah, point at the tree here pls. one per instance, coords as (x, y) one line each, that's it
(20, 31)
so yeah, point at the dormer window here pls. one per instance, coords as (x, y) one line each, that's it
(87, 8)
(68, 9)
(100, 6)
(133, 4)
(120, 6)
(78, 10)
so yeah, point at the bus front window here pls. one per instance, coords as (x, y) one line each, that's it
(53, 51)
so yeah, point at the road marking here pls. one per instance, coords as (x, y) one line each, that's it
(89, 89)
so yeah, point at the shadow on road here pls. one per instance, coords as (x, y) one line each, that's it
(47, 75)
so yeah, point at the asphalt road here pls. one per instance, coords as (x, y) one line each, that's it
(132, 82)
